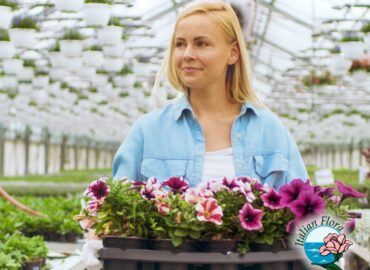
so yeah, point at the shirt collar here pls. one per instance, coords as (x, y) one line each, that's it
(183, 104)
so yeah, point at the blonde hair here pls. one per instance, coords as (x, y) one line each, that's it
(238, 76)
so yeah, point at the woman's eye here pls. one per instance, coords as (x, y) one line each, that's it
(179, 44)
(201, 44)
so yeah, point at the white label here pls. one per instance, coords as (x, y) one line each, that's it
(324, 177)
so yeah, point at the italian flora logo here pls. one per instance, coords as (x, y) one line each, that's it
(323, 242)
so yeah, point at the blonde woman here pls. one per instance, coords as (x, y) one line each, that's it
(219, 128)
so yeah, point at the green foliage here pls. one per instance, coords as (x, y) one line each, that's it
(12, 4)
(24, 23)
(351, 39)
(314, 79)
(29, 63)
(96, 48)
(72, 34)
(4, 36)
(366, 28)
(124, 94)
(108, 2)
(55, 48)
(125, 70)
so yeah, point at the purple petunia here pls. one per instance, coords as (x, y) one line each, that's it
(250, 218)
(324, 192)
(272, 199)
(151, 189)
(348, 191)
(176, 184)
(231, 184)
(290, 192)
(349, 226)
(99, 189)
(308, 204)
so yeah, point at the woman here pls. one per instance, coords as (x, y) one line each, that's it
(219, 128)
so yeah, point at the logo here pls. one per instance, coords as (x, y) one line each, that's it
(323, 242)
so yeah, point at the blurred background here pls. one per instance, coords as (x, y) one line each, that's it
(75, 75)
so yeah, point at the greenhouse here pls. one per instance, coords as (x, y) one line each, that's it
(111, 159)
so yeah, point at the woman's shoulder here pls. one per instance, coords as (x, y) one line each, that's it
(269, 117)
(158, 116)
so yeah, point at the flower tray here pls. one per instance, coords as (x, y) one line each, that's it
(139, 254)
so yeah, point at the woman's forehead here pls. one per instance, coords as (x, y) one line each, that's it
(198, 25)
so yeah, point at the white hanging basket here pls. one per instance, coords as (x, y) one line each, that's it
(100, 80)
(40, 82)
(25, 74)
(93, 58)
(5, 17)
(87, 72)
(110, 35)
(359, 75)
(114, 50)
(113, 64)
(73, 64)
(69, 5)
(339, 66)
(96, 14)
(57, 73)
(12, 66)
(25, 88)
(7, 50)
(23, 38)
(127, 80)
(367, 42)
(71, 48)
(352, 50)
(57, 59)
(8, 82)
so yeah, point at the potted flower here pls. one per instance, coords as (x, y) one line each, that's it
(6, 8)
(125, 77)
(8, 82)
(313, 79)
(73, 64)
(111, 34)
(12, 66)
(237, 215)
(366, 30)
(58, 73)
(352, 46)
(41, 79)
(23, 32)
(27, 72)
(112, 64)
(71, 43)
(69, 5)
(360, 69)
(93, 57)
(97, 12)
(7, 49)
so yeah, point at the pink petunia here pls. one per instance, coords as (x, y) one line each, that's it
(231, 184)
(151, 189)
(348, 191)
(246, 190)
(98, 189)
(308, 204)
(250, 218)
(208, 210)
(176, 184)
(272, 200)
(290, 192)
(194, 195)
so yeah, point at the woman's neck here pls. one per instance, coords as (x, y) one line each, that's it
(210, 102)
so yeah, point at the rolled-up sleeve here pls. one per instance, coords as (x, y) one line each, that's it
(127, 161)
(296, 167)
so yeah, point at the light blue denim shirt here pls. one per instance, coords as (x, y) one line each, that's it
(170, 142)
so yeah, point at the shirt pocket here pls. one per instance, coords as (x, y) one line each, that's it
(270, 164)
(163, 169)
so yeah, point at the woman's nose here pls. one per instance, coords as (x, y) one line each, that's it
(189, 52)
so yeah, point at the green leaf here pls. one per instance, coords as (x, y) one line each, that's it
(196, 227)
(181, 232)
(194, 234)
(331, 266)
(177, 241)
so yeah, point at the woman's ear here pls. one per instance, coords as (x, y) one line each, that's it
(234, 53)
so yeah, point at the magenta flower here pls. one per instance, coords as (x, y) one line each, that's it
(335, 200)
(272, 199)
(350, 226)
(151, 189)
(255, 184)
(94, 206)
(137, 183)
(291, 226)
(176, 184)
(99, 189)
(348, 191)
(194, 195)
(231, 184)
(307, 204)
(335, 244)
(250, 218)
(208, 210)
(212, 185)
(246, 189)
(290, 192)
(324, 192)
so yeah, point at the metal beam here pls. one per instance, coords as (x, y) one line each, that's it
(285, 14)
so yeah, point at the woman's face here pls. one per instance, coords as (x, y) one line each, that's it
(201, 52)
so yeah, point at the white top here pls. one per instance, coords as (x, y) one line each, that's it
(218, 164)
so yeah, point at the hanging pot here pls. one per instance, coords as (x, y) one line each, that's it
(352, 50)
(367, 42)
(57, 74)
(110, 35)
(113, 64)
(5, 17)
(69, 5)
(57, 59)
(7, 50)
(339, 66)
(96, 14)
(23, 38)
(12, 66)
(93, 58)
(71, 48)
(25, 74)
(40, 82)
(8, 82)
(87, 72)
(114, 50)
(73, 64)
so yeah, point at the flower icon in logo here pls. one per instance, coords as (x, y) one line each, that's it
(335, 244)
